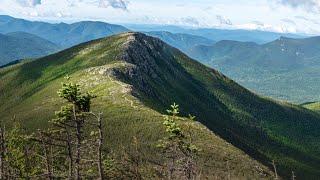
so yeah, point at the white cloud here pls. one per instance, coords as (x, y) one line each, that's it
(191, 21)
(29, 3)
(309, 5)
(258, 23)
(223, 20)
(308, 20)
(289, 21)
(118, 4)
(273, 15)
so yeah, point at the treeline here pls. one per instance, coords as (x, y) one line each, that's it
(74, 146)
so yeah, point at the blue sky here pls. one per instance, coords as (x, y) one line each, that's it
(294, 16)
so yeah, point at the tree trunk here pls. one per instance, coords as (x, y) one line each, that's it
(47, 156)
(293, 176)
(100, 142)
(78, 143)
(78, 149)
(2, 154)
(275, 169)
(69, 149)
(27, 161)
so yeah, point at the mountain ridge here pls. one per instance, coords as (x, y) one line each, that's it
(158, 75)
(62, 34)
(113, 68)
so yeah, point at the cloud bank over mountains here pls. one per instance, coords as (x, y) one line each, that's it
(117, 4)
(288, 16)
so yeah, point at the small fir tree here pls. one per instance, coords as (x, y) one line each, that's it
(178, 148)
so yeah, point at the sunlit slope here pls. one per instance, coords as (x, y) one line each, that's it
(315, 106)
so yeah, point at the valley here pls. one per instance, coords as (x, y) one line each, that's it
(277, 69)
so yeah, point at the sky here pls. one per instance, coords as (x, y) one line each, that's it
(287, 16)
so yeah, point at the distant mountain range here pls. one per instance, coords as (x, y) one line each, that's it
(272, 65)
(67, 35)
(285, 68)
(20, 45)
(259, 37)
(182, 41)
(62, 34)
(136, 77)
(283, 53)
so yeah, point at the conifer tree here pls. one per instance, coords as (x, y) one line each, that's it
(71, 149)
(73, 120)
(20, 158)
(76, 136)
(178, 147)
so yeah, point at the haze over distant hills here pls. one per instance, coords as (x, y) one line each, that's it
(66, 35)
(20, 45)
(256, 36)
(184, 42)
(285, 68)
(62, 34)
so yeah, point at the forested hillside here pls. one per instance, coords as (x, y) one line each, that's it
(285, 69)
(20, 45)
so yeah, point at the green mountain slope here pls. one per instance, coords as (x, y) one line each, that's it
(278, 69)
(315, 106)
(96, 66)
(136, 77)
(20, 45)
